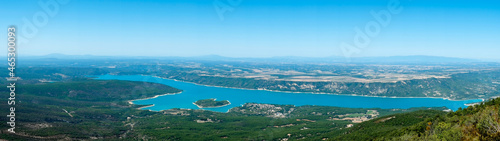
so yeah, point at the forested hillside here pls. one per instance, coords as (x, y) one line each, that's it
(82, 109)
(479, 122)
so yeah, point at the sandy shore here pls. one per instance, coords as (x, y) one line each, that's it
(146, 106)
(132, 103)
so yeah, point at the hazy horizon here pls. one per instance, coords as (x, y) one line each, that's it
(208, 56)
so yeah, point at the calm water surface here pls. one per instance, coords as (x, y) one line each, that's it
(237, 97)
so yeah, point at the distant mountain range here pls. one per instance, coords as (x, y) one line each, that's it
(284, 59)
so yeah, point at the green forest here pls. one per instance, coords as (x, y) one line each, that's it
(84, 109)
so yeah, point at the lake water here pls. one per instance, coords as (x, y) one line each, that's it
(237, 97)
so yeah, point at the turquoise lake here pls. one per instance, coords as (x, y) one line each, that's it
(237, 97)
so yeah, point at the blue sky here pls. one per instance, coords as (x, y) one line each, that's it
(255, 28)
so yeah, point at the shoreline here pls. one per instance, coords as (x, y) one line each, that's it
(131, 102)
(140, 108)
(482, 99)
